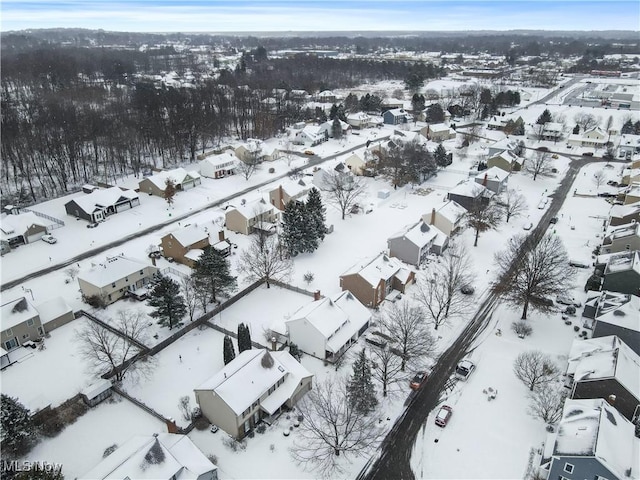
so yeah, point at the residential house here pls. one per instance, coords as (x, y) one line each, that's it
(377, 279)
(185, 245)
(611, 313)
(327, 327)
(157, 183)
(628, 146)
(19, 323)
(467, 193)
(54, 313)
(595, 137)
(115, 277)
(630, 176)
(622, 273)
(298, 95)
(552, 131)
(310, 135)
(251, 151)
(326, 96)
(621, 238)
(506, 160)
(252, 216)
(327, 128)
(413, 244)
(438, 132)
(96, 206)
(502, 123)
(21, 229)
(396, 116)
(288, 191)
(605, 366)
(356, 164)
(624, 214)
(164, 456)
(632, 195)
(254, 385)
(219, 166)
(391, 103)
(5, 359)
(494, 178)
(270, 153)
(361, 120)
(593, 440)
(448, 217)
(324, 179)
(502, 145)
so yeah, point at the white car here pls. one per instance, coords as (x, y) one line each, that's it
(566, 300)
(528, 226)
(49, 239)
(464, 369)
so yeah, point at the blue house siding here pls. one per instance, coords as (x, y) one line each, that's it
(583, 467)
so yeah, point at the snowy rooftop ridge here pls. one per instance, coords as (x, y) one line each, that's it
(15, 312)
(619, 309)
(12, 225)
(595, 428)
(189, 235)
(177, 175)
(103, 198)
(113, 268)
(623, 261)
(420, 233)
(381, 267)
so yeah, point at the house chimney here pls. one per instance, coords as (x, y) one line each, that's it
(153, 260)
(484, 180)
(274, 344)
(221, 235)
(171, 426)
(316, 295)
(433, 216)
(611, 399)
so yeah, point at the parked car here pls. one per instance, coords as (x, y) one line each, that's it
(309, 152)
(543, 203)
(443, 416)
(579, 264)
(418, 379)
(528, 226)
(554, 156)
(567, 300)
(464, 369)
(467, 289)
(587, 154)
(92, 225)
(49, 239)
(553, 220)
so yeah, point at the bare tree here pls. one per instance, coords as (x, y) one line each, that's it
(539, 164)
(265, 259)
(343, 190)
(332, 427)
(547, 402)
(530, 271)
(169, 190)
(190, 294)
(248, 168)
(104, 351)
(514, 203)
(586, 121)
(599, 179)
(432, 296)
(71, 273)
(534, 369)
(184, 405)
(386, 366)
(406, 326)
(483, 215)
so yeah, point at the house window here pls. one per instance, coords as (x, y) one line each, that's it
(26, 335)
(568, 468)
(9, 332)
(271, 390)
(141, 272)
(246, 412)
(13, 343)
(113, 285)
(30, 322)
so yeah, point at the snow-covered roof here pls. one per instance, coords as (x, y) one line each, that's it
(159, 457)
(244, 380)
(295, 373)
(220, 161)
(470, 189)
(622, 231)
(552, 127)
(594, 428)
(451, 210)
(178, 175)
(623, 261)
(104, 198)
(507, 155)
(504, 144)
(52, 309)
(253, 209)
(420, 234)
(493, 173)
(294, 188)
(607, 357)
(397, 112)
(96, 388)
(359, 116)
(12, 225)
(439, 127)
(112, 270)
(619, 309)
(16, 312)
(189, 235)
(194, 254)
(379, 268)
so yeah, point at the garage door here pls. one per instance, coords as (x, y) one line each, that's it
(122, 207)
(35, 237)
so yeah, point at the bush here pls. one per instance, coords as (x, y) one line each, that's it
(308, 277)
(234, 445)
(251, 434)
(213, 459)
(201, 424)
(96, 301)
(521, 328)
(261, 428)
(109, 450)
(272, 170)
(576, 328)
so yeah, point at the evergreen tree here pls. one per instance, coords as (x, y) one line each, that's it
(316, 214)
(293, 228)
(519, 129)
(627, 128)
(576, 129)
(333, 113)
(295, 351)
(227, 351)
(168, 302)
(351, 103)
(17, 429)
(211, 271)
(441, 156)
(336, 128)
(434, 113)
(417, 103)
(244, 338)
(545, 117)
(361, 391)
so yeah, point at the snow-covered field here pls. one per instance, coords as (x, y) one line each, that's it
(478, 442)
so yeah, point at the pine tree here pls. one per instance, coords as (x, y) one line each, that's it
(361, 391)
(168, 302)
(211, 271)
(627, 127)
(336, 128)
(18, 432)
(316, 214)
(227, 351)
(576, 129)
(244, 338)
(441, 157)
(545, 117)
(293, 228)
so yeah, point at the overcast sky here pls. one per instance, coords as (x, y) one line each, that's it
(320, 15)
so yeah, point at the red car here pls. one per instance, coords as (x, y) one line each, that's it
(443, 416)
(417, 380)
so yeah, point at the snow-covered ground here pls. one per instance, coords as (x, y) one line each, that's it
(477, 443)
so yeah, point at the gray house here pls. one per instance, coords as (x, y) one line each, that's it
(413, 244)
(96, 206)
(622, 273)
(395, 116)
(19, 323)
(613, 313)
(494, 178)
(593, 441)
(468, 193)
(622, 238)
